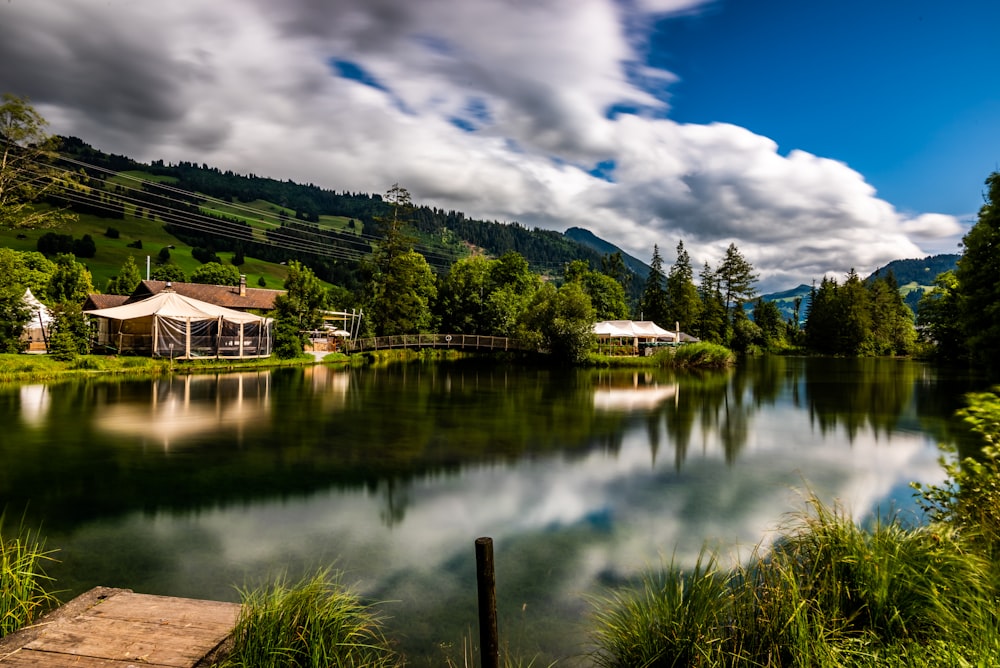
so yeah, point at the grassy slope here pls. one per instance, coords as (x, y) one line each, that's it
(111, 253)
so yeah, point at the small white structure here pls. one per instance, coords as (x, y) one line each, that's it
(36, 330)
(172, 325)
(635, 333)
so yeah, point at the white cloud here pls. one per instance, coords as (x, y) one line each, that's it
(252, 87)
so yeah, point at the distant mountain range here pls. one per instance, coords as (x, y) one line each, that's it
(914, 277)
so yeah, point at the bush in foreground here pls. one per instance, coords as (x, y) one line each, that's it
(316, 623)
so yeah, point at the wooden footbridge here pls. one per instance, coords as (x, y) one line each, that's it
(470, 342)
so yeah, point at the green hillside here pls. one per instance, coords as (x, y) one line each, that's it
(269, 222)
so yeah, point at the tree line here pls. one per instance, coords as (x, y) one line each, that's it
(501, 290)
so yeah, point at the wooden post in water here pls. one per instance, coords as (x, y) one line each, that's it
(489, 646)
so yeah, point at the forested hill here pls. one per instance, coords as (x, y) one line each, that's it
(588, 238)
(921, 271)
(318, 216)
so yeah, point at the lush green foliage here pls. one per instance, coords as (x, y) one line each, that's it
(297, 311)
(70, 333)
(24, 586)
(940, 316)
(70, 281)
(14, 314)
(562, 320)
(25, 177)
(683, 302)
(653, 305)
(315, 623)
(979, 288)
(127, 280)
(214, 273)
(859, 318)
(607, 296)
(970, 496)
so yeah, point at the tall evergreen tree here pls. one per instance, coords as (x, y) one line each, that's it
(682, 294)
(978, 277)
(737, 279)
(127, 280)
(712, 323)
(654, 297)
(856, 320)
(823, 318)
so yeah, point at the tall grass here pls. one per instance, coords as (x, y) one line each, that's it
(23, 582)
(703, 355)
(316, 622)
(827, 594)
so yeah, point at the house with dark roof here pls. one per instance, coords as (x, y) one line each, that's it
(236, 297)
(98, 301)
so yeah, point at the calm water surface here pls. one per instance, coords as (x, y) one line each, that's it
(193, 486)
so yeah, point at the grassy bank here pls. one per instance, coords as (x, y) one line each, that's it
(44, 368)
(828, 594)
(688, 356)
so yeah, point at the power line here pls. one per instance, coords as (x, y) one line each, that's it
(433, 255)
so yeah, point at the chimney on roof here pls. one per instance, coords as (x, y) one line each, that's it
(243, 285)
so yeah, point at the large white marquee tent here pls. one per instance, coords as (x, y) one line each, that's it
(171, 325)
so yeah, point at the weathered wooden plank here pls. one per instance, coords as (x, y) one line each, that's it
(115, 628)
(147, 608)
(161, 643)
(26, 658)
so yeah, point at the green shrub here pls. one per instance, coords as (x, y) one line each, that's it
(703, 355)
(316, 623)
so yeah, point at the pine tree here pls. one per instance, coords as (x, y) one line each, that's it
(654, 297)
(736, 279)
(682, 294)
(712, 323)
(978, 277)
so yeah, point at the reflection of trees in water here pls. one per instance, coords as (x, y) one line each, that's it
(858, 394)
(317, 427)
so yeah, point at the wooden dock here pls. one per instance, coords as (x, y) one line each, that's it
(116, 628)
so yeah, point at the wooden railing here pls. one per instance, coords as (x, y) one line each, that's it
(456, 341)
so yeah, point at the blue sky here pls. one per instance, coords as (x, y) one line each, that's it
(907, 93)
(816, 136)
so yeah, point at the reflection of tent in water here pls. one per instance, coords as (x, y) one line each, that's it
(36, 330)
(171, 325)
(632, 399)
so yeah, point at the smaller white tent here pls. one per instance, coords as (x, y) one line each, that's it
(636, 329)
(169, 324)
(36, 330)
(625, 336)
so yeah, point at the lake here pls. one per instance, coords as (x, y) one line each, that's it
(197, 485)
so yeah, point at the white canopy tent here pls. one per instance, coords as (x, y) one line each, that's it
(36, 330)
(169, 324)
(619, 336)
(636, 329)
